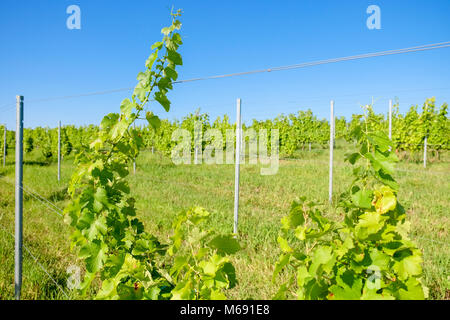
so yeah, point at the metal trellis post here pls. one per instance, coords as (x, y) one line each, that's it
(390, 119)
(330, 187)
(59, 150)
(4, 147)
(19, 199)
(196, 138)
(134, 160)
(425, 152)
(237, 164)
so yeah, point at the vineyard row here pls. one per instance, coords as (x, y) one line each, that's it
(296, 131)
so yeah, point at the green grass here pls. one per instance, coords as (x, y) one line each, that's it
(162, 189)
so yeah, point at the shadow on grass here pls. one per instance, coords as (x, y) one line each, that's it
(36, 163)
(59, 195)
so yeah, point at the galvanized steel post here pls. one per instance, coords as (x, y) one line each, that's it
(4, 147)
(330, 187)
(19, 200)
(237, 165)
(59, 151)
(425, 146)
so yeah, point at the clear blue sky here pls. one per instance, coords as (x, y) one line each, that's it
(41, 58)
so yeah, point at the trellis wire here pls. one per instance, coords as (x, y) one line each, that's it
(38, 263)
(426, 47)
(40, 198)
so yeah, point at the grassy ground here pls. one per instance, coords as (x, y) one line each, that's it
(163, 189)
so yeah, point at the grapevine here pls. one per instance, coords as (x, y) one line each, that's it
(367, 256)
(128, 262)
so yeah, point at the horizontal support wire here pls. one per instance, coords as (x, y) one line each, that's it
(38, 263)
(7, 109)
(327, 61)
(56, 209)
(41, 199)
(426, 47)
(45, 204)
